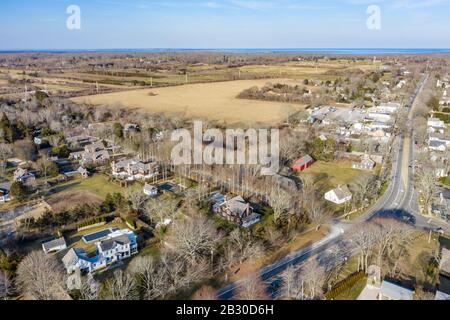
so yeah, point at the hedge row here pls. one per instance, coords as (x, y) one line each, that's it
(131, 223)
(91, 222)
(344, 285)
(442, 116)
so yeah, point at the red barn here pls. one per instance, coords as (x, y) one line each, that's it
(303, 163)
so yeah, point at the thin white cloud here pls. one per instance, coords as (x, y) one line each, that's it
(414, 4)
(253, 4)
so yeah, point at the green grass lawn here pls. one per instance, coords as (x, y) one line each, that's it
(98, 184)
(445, 180)
(74, 238)
(329, 175)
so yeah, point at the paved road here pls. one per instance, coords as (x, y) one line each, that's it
(399, 201)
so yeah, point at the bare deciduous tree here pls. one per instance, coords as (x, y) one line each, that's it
(5, 285)
(161, 279)
(157, 210)
(312, 277)
(5, 153)
(290, 286)
(241, 248)
(121, 287)
(194, 237)
(280, 203)
(427, 183)
(42, 277)
(137, 200)
(252, 289)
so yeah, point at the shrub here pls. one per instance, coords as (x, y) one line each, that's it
(344, 285)
(18, 191)
(131, 223)
(92, 222)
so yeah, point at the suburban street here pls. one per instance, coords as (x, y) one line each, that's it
(399, 201)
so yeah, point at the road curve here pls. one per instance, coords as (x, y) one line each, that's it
(397, 201)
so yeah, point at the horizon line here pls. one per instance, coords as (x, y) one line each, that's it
(248, 51)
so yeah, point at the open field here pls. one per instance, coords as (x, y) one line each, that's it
(96, 186)
(329, 175)
(59, 202)
(177, 74)
(215, 101)
(85, 79)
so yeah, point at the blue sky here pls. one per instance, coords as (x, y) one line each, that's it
(31, 24)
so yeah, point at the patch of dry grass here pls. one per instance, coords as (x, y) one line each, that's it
(215, 101)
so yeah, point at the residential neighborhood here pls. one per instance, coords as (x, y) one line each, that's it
(235, 175)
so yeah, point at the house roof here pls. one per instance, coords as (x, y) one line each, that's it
(342, 192)
(111, 243)
(72, 257)
(20, 172)
(82, 170)
(251, 217)
(149, 187)
(444, 284)
(444, 265)
(237, 205)
(395, 291)
(304, 160)
(437, 144)
(5, 187)
(440, 136)
(217, 197)
(134, 164)
(53, 244)
(441, 296)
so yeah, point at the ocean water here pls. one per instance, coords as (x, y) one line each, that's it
(343, 51)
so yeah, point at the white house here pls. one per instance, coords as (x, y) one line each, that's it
(440, 137)
(55, 245)
(401, 84)
(435, 125)
(4, 192)
(388, 108)
(118, 245)
(380, 117)
(437, 146)
(441, 296)
(4, 196)
(391, 291)
(365, 164)
(150, 190)
(339, 195)
(77, 259)
(134, 169)
(83, 172)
